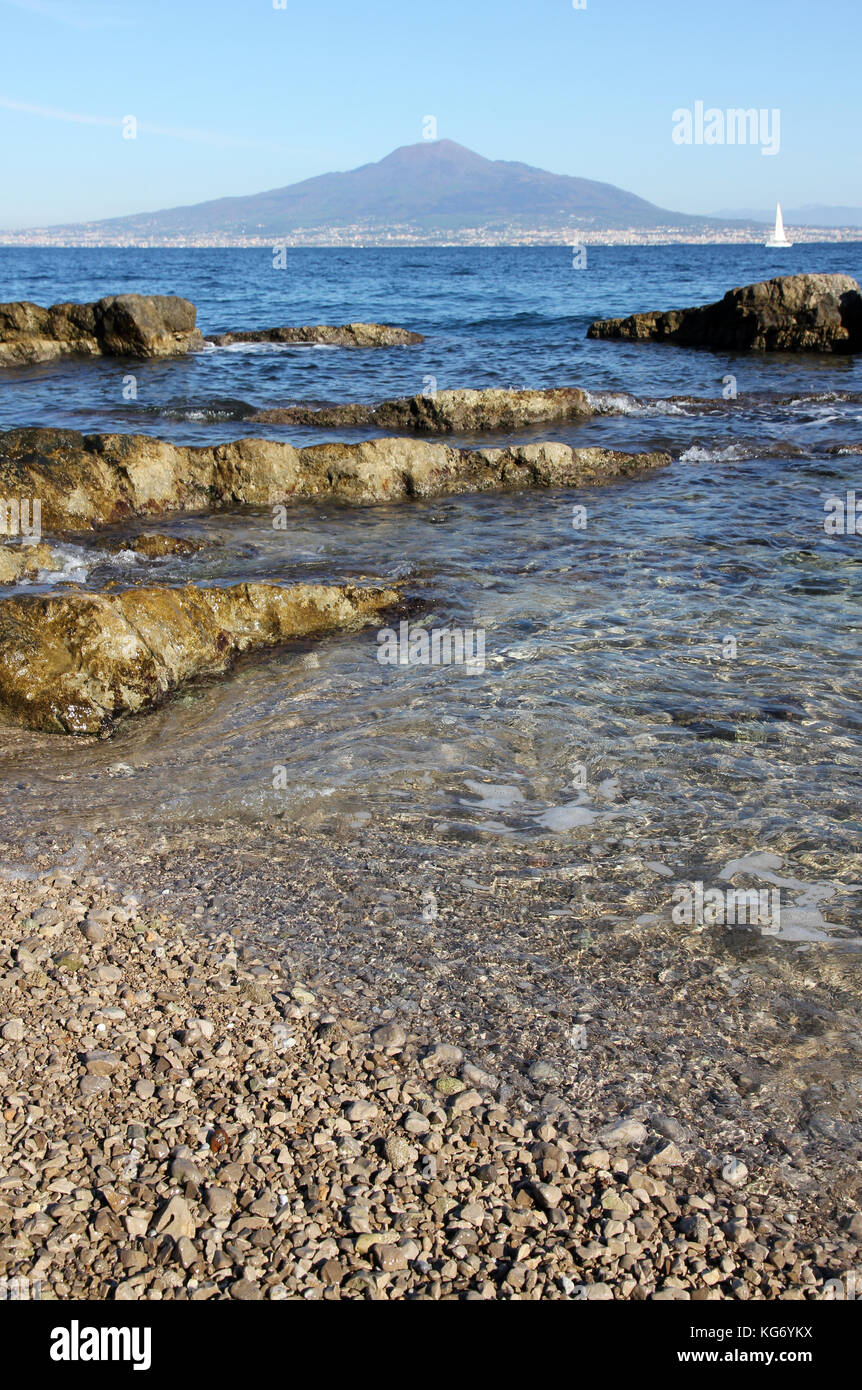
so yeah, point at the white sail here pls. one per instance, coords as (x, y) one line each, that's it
(779, 236)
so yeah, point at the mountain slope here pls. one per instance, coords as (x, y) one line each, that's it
(436, 186)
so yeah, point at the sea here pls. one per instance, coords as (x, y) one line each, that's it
(670, 661)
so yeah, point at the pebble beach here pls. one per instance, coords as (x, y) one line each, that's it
(188, 1113)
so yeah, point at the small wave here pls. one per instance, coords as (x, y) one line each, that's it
(620, 403)
(75, 565)
(210, 412)
(731, 453)
(256, 349)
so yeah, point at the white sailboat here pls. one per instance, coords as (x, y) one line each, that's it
(779, 237)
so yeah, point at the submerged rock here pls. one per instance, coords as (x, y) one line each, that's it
(792, 313)
(87, 481)
(153, 545)
(121, 325)
(446, 412)
(332, 335)
(75, 663)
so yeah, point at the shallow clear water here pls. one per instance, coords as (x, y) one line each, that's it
(679, 678)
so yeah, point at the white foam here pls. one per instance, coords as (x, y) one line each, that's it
(730, 454)
(257, 348)
(620, 403)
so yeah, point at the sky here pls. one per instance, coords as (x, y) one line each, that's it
(236, 96)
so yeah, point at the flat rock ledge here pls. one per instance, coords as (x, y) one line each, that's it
(332, 335)
(792, 313)
(121, 325)
(75, 663)
(88, 481)
(445, 412)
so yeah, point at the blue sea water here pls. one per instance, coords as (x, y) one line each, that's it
(694, 649)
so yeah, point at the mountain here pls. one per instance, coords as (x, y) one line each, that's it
(433, 189)
(811, 215)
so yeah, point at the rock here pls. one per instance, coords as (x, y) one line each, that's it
(599, 1158)
(76, 662)
(13, 1030)
(68, 961)
(389, 1035)
(390, 1257)
(100, 1063)
(176, 1219)
(154, 545)
(416, 1123)
(185, 1169)
(444, 1053)
(543, 1073)
(361, 1112)
(449, 1085)
(93, 1086)
(623, 1133)
(666, 1155)
(792, 313)
(464, 1101)
(218, 1200)
(734, 1172)
(90, 481)
(669, 1127)
(245, 1290)
(695, 1228)
(399, 1154)
(547, 1195)
(187, 1252)
(446, 412)
(332, 335)
(23, 561)
(122, 325)
(94, 932)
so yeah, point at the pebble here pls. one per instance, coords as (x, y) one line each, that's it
(627, 1133)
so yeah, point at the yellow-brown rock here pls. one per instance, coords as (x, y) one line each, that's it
(76, 663)
(87, 481)
(444, 412)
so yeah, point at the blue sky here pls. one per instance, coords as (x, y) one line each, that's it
(236, 96)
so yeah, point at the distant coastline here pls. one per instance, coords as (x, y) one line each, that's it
(413, 236)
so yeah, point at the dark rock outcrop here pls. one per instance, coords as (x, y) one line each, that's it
(445, 412)
(332, 335)
(76, 663)
(793, 313)
(87, 481)
(121, 325)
